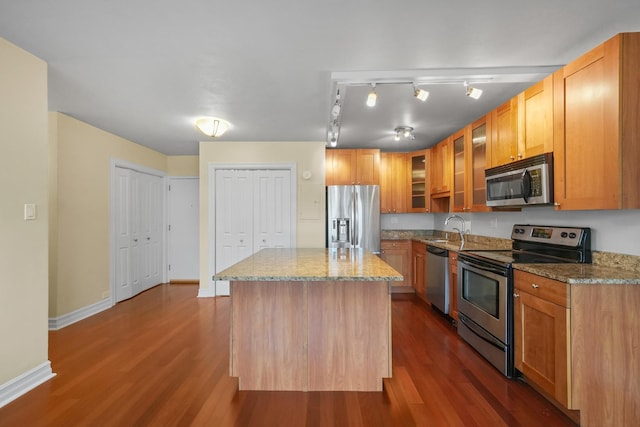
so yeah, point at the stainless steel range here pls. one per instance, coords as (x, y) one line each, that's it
(485, 285)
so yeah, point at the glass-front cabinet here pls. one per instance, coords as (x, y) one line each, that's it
(459, 204)
(478, 149)
(420, 200)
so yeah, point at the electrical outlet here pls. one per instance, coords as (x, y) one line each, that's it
(493, 223)
(467, 227)
(106, 294)
(394, 220)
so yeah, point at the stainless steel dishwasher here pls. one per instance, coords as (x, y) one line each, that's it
(437, 278)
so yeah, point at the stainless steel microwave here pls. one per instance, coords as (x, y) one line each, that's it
(521, 183)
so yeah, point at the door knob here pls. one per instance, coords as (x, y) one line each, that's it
(516, 295)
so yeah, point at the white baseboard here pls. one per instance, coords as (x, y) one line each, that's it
(216, 289)
(18, 386)
(60, 322)
(209, 292)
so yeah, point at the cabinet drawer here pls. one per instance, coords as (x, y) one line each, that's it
(395, 244)
(542, 287)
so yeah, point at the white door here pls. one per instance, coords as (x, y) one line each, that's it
(272, 209)
(138, 224)
(234, 216)
(184, 229)
(252, 212)
(123, 231)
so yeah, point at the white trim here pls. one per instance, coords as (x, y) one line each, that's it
(119, 163)
(60, 322)
(209, 292)
(25, 382)
(211, 170)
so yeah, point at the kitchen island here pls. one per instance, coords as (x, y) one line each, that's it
(310, 320)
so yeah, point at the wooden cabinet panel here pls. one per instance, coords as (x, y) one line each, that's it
(535, 119)
(394, 183)
(440, 167)
(397, 253)
(420, 185)
(458, 203)
(596, 128)
(453, 284)
(419, 264)
(504, 120)
(541, 334)
(357, 166)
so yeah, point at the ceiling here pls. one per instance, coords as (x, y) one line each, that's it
(145, 70)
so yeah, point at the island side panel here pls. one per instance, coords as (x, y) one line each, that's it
(349, 335)
(268, 335)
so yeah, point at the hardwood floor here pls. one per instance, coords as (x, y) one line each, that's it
(161, 359)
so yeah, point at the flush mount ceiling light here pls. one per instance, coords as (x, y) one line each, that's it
(372, 97)
(421, 94)
(472, 92)
(405, 131)
(212, 126)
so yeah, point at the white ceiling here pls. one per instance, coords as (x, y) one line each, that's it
(144, 70)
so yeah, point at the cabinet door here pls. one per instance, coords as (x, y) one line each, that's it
(419, 252)
(459, 167)
(505, 131)
(535, 119)
(586, 114)
(477, 146)
(367, 167)
(541, 334)
(440, 169)
(453, 284)
(420, 188)
(340, 167)
(393, 183)
(397, 253)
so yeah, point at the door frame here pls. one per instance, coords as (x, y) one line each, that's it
(219, 288)
(119, 163)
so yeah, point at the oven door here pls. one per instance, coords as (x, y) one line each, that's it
(482, 295)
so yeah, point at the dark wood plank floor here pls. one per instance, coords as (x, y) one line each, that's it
(161, 359)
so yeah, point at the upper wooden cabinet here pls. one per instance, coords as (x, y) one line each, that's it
(441, 167)
(469, 163)
(394, 179)
(352, 166)
(597, 128)
(504, 138)
(420, 185)
(535, 119)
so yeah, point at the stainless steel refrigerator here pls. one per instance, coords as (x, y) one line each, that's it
(353, 217)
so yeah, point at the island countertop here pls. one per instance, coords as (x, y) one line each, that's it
(310, 264)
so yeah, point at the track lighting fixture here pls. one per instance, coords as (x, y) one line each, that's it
(421, 94)
(212, 126)
(472, 92)
(405, 131)
(372, 97)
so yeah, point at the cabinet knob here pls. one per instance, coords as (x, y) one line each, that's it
(534, 286)
(512, 157)
(516, 295)
(520, 156)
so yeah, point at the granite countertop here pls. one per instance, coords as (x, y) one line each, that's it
(310, 265)
(607, 268)
(583, 274)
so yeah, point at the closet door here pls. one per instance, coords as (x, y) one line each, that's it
(123, 287)
(272, 209)
(150, 205)
(234, 216)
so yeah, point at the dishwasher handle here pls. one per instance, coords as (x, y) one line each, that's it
(437, 251)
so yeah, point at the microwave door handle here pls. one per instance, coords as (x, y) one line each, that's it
(525, 185)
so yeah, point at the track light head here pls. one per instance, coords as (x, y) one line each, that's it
(421, 94)
(372, 97)
(472, 92)
(405, 131)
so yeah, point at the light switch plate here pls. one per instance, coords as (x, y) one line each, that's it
(29, 211)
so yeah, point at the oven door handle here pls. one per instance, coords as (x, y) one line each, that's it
(481, 333)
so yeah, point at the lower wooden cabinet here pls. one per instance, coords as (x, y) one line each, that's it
(419, 264)
(397, 253)
(542, 334)
(453, 285)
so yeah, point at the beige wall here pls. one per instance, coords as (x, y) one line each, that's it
(183, 165)
(23, 244)
(308, 156)
(84, 155)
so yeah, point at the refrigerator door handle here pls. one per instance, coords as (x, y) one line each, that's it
(355, 241)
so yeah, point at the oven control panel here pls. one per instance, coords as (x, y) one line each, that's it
(555, 235)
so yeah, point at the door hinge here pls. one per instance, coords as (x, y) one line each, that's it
(169, 227)
(169, 267)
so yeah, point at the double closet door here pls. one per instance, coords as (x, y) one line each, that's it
(138, 223)
(252, 212)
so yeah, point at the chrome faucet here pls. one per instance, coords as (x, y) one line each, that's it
(459, 230)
